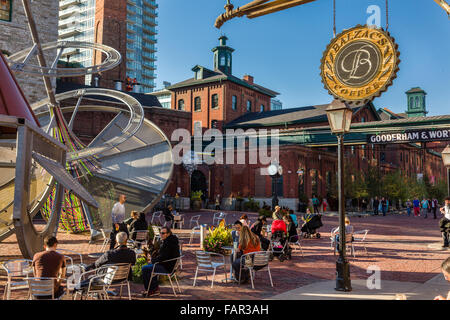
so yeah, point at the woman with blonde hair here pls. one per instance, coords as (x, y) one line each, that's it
(248, 242)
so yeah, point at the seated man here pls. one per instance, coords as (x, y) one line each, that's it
(120, 255)
(446, 271)
(51, 264)
(170, 249)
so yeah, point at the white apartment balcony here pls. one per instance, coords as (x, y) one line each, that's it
(69, 32)
(67, 3)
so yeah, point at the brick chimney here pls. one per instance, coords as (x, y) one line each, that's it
(248, 79)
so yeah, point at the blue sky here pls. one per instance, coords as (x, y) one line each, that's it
(283, 50)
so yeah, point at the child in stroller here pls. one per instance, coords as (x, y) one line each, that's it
(279, 242)
(312, 223)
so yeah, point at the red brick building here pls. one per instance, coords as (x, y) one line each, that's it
(216, 97)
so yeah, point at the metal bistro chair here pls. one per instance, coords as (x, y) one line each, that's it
(17, 271)
(106, 239)
(156, 215)
(205, 263)
(43, 288)
(99, 282)
(170, 275)
(250, 261)
(348, 240)
(361, 240)
(195, 231)
(156, 233)
(120, 278)
(72, 267)
(178, 221)
(141, 238)
(218, 216)
(194, 219)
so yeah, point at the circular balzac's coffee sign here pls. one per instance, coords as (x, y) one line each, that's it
(360, 64)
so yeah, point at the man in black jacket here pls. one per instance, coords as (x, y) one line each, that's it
(170, 249)
(258, 229)
(120, 255)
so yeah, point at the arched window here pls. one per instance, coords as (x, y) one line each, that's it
(214, 101)
(5, 10)
(417, 102)
(197, 104)
(261, 109)
(234, 102)
(222, 60)
(411, 102)
(249, 106)
(181, 104)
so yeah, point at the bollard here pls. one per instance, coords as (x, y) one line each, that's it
(202, 235)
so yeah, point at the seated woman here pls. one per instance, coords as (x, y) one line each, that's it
(138, 224)
(244, 220)
(348, 230)
(248, 242)
(258, 228)
(291, 229)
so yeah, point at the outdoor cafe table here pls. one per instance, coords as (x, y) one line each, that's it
(232, 252)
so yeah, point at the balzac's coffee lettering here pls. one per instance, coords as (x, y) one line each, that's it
(411, 136)
(359, 64)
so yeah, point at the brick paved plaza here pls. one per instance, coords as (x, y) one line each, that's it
(407, 249)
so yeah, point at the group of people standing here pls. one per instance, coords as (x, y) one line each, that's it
(422, 207)
(380, 205)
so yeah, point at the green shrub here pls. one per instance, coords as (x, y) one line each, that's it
(265, 212)
(218, 238)
(137, 269)
(251, 205)
(196, 195)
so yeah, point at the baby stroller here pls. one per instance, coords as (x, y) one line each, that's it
(312, 223)
(279, 246)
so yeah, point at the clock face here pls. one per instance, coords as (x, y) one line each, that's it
(272, 169)
(280, 170)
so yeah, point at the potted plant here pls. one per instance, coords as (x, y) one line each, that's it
(218, 238)
(196, 198)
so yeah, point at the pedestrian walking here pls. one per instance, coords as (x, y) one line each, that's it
(118, 217)
(444, 223)
(434, 207)
(416, 206)
(376, 203)
(408, 207)
(425, 206)
(383, 206)
(316, 203)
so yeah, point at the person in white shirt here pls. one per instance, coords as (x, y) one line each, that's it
(444, 223)
(118, 217)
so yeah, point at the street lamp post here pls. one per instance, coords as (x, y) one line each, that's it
(275, 171)
(340, 118)
(446, 159)
(190, 161)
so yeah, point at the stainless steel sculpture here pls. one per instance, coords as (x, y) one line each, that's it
(132, 155)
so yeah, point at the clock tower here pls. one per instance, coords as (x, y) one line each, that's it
(416, 102)
(223, 60)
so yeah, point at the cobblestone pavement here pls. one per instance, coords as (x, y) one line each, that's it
(405, 248)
